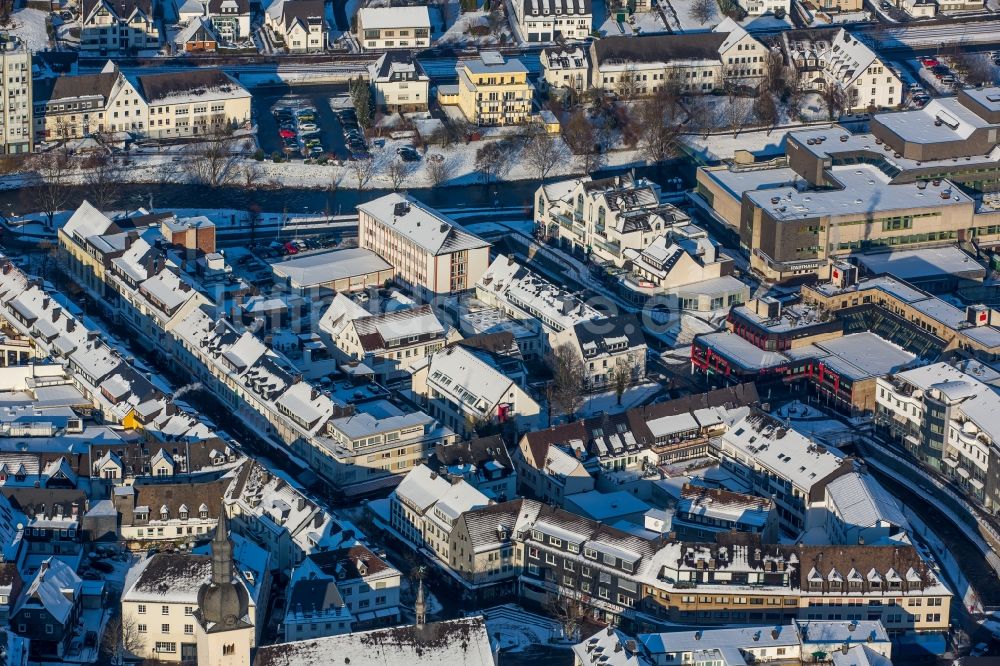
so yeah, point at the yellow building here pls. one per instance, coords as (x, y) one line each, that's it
(494, 91)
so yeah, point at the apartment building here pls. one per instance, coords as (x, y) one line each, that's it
(761, 7)
(834, 57)
(399, 83)
(376, 445)
(112, 28)
(606, 216)
(430, 253)
(16, 122)
(466, 390)
(554, 20)
(483, 462)
(946, 419)
(424, 507)
(341, 590)
(491, 90)
(230, 19)
(380, 28)
(795, 473)
(298, 25)
(72, 107)
(694, 63)
(607, 347)
(390, 343)
(565, 68)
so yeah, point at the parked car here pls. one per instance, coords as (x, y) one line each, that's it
(928, 61)
(980, 650)
(308, 127)
(291, 248)
(286, 134)
(408, 154)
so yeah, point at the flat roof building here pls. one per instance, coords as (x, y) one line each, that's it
(326, 273)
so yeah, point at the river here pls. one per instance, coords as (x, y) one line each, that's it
(302, 200)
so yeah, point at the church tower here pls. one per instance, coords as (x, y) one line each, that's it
(420, 606)
(224, 631)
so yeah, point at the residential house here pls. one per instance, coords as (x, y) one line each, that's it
(566, 68)
(111, 28)
(299, 25)
(198, 36)
(860, 510)
(399, 82)
(75, 106)
(49, 609)
(554, 20)
(484, 463)
(466, 390)
(701, 513)
(833, 57)
(613, 351)
(198, 102)
(381, 28)
(231, 20)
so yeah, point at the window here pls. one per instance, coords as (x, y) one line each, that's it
(189, 610)
(188, 629)
(142, 609)
(164, 628)
(229, 649)
(142, 628)
(165, 646)
(590, 553)
(164, 610)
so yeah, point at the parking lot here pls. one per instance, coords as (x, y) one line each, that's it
(328, 131)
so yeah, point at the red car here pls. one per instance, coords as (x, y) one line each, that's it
(930, 62)
(286, 134)
(291, 248)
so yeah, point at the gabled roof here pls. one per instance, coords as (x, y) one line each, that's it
(428, 228)
(658, 48)
(56, 588)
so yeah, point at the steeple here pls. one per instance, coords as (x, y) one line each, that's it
(222, 552)
(420, 605)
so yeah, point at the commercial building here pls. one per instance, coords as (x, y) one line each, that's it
(833, 57)
(491, 90)
(382, 28)
(17, 129)
(553, 20)
(323, 274)
(693, 63)
(200, 102)
(429, 252)
(399, 83)
(946, 419)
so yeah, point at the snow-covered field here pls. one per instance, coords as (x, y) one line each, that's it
(607, 402)
(640, 23)
(29, 25)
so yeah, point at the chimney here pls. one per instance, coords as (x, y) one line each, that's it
(70, 325)
(301, 503)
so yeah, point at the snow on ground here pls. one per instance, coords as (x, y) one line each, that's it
(607, 402)
(458, 32)
(644, 23)
(679, 14)
(29, 25)
(798, 410)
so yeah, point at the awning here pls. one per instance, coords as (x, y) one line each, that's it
(950, 462)
(976, 483)
(962, 472)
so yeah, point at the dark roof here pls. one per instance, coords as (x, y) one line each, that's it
(159, 86)
(43, 502)
(55, 88)
(302, 10)
(349, 562)
(602, 332)
(314, 595)
(165, 570)
(190, 456)
(389, 58)
(120, 8)
(556, 7)
(476, 451)
(659, 48)
(173, 495)
(215, 6)
(500, 342)
(9, 575)
(863, 558)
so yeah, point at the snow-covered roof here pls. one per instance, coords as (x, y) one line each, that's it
(56, 588)
(421, 488)
(341, 312)
(464, 641)
(467, 380)
(323, 267)
(860, 500)
(783, 451)
(374, 18)
(308, 404)
(421, 224)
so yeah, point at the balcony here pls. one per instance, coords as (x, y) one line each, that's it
(611, 248)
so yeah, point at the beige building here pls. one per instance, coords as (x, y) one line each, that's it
(491, 90)
(608, 346)
(834, 57)
(298, 25)
(193, 103)
(72, 107)
(692, 62)
(566, 68)
(118, 28)
(16, 127)
(394, 28)
(169, 610)
(399, 82)
(430, 253)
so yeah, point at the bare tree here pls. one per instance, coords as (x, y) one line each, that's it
(974, 68)
(834, 99)
(660, 130)
(703, 11)
(253, 221)
(251, 175)
(736, 112)
(570, 610)
(121, 640)
(439, 169)
(627, 87)
(363, 170)
(582, 138)
(52, 171)
(542, 152)
(494, 160)
(621, 377)
(398, 171)
(765, 107)
(568, 379)
(104, 179)
(213, 162)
